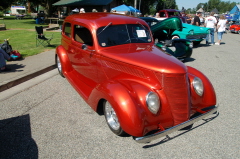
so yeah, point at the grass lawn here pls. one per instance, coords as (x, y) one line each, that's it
(22, 36)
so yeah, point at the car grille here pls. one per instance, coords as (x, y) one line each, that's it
(176, 88)
(200, 36)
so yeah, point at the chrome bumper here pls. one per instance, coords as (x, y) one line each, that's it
(149, 138)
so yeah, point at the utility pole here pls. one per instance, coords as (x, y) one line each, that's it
(135, 3)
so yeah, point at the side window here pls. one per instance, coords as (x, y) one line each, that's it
(83, 35)
(67, 29)
(162, 14)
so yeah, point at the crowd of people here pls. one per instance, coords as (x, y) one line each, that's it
(215, 24)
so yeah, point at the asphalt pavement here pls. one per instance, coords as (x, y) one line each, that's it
(51, 120)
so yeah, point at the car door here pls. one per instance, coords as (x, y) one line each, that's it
(82, 55)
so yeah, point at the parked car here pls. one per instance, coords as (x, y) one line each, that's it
(163, 30)
(235, 28)
(167, 13)
(194, 33)
(231, 22)
(190, 32)
(112, 62)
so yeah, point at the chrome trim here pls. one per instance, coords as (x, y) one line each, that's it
(149, 138)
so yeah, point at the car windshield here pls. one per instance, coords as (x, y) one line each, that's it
(112, 35)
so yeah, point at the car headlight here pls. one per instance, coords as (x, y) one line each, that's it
(198, 86)
(153, 102)
(190, 44)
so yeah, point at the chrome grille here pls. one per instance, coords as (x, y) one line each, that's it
(200, 36)
(177, 91)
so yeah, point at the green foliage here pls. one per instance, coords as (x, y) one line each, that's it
(166, 4)
(221, 6)
(22, 37)
(7, 4)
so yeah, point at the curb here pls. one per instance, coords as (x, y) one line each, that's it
(28, 84)
(25, 78)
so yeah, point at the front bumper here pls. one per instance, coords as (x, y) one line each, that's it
(233, 31)
(149, 138)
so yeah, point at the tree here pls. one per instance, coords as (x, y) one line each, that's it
(7, 4)
(152, 6)
(166, 4)
(146, 8)
(212, 4)
(221, 6)
(200, 5)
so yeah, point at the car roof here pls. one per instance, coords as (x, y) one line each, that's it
(149, 19)
(103, 19)
(170, 10)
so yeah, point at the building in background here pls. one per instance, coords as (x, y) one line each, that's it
(15, 10)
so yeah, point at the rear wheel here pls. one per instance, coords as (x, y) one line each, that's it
(238, 31)
(175, 37)
(59, 65)
(112, 119)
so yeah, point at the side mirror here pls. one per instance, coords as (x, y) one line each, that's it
(84, 47)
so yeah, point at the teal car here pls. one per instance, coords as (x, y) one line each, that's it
(190, 32)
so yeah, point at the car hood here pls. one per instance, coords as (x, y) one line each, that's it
(173, 23)
(235, 25)
(197, 29)
(145, 56)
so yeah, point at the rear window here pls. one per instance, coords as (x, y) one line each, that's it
(67, 29)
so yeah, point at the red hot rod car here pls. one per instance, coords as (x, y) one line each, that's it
(235, 28)
(112, 62)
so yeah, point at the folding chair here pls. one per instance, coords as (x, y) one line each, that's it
(40, 37)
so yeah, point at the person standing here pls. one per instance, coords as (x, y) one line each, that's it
(221, 26)
(196, 20)
(3, 57)
(82, 10)
(210, 22)
(201, 21)
(189, 19)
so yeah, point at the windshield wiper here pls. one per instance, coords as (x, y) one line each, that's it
(105, 28)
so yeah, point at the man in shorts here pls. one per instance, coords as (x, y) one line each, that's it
(210, 22)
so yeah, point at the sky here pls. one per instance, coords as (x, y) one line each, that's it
(193, 3)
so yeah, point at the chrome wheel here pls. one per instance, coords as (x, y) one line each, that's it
(59, 65)
(175, 37)
(112, 119)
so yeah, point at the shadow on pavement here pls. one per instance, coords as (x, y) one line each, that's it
(15, 138)
(15, 67)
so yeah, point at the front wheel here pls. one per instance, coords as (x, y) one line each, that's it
(112, 119)
(238, 31)
(196, 42)
(59, 65)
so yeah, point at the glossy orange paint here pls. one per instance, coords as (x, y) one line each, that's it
(125, 74)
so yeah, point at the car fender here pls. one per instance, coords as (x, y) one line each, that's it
(209, 96)
(66, 64)
(128, 103)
